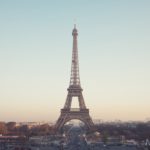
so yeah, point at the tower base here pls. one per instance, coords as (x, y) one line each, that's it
(74, 113)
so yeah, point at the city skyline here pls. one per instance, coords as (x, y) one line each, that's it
(35, 58)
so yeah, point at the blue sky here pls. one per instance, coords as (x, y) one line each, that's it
(35, 58)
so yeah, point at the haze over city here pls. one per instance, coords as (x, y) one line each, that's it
(35, 58)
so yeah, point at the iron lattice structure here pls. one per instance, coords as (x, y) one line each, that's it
(74, 90)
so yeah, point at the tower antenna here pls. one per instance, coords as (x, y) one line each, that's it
(75, 21)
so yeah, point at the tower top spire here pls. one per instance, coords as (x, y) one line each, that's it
(74, 31)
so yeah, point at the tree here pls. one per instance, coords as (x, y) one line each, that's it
(11, 126)
(3, 129)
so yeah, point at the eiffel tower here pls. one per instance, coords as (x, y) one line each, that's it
(74, 90)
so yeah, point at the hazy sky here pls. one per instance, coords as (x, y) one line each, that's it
(35, 58)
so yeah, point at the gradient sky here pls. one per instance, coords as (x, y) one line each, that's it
(35, 58)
